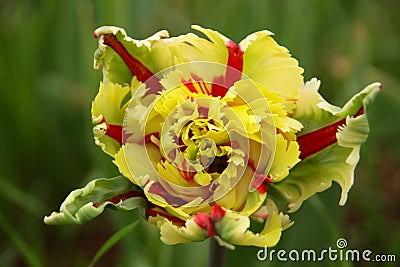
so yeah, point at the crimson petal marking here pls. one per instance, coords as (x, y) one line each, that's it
(316, 141)
(235, 62)
(204, 222)
(136, 67)
(154, 213)
(114, 131)
(233, 72)
(121, 197)
(217, 213)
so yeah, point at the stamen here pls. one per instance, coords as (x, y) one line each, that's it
(155, 140)
(148, 137)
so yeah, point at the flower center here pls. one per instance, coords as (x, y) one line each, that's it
(188, 144)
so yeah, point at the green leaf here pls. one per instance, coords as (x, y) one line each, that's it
(112, 241)
(27, 252)
(84, 204)
(17, 196)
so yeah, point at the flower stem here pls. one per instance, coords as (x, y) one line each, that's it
(217, 254)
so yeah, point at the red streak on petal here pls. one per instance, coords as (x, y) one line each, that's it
(217, 213)
(173, 219)
(261, 181)
(316, 141)
(186, 173)
(136, 67)
(117, 199)
(189, 85)
(233, 73)
(200, 82)
(113, 131)
(218, 87)
(157, 189)
(251, 164)
(235, 61)
(262, 188)
(204, 222)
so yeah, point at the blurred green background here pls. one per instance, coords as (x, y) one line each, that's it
(47, 83)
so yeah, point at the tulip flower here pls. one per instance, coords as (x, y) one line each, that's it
(211, 136)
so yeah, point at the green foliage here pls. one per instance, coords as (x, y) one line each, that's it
(48, 83)
(115, 238)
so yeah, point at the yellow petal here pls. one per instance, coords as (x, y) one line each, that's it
(286, 156)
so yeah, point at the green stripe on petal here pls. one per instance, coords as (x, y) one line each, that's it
(82, 205)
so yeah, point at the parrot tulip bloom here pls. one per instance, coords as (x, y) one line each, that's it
(209, 136)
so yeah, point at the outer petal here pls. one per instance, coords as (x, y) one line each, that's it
(84, 204)
(194, 48)
(111, 102)
(120, 162)
(334, 163)
(109, 107)
(172, 234)
(271, 64)
(286, 156)
(228, 227)
(157, 52)
(234, 229)
(264, 60)
(239, 196)
(153, 54)
(308, 110)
